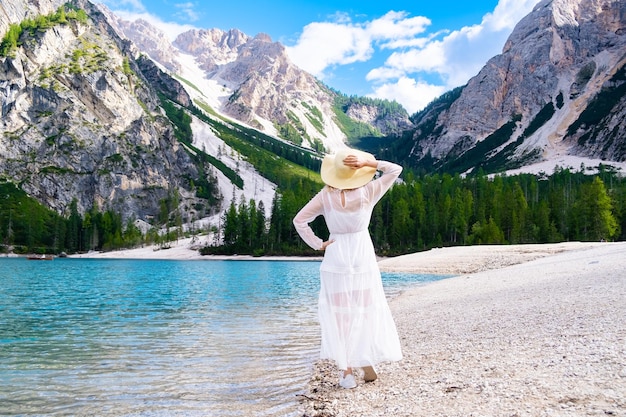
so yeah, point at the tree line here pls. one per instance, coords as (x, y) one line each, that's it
(418, 213)
(26, 226)
(438, 210)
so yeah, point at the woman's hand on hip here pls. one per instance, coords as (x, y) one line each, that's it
(326, 243)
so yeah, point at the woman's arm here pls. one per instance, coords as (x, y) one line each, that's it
(306, 215)
(379, 186)
(382, 184)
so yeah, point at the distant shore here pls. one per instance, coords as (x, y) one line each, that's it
(182, 250)
(439, 261)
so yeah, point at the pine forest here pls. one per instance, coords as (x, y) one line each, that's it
(418, 213)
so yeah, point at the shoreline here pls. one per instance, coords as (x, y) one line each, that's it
(203, 258)
(183, 250)
(523, 330)
(459, 260)
(453, 260)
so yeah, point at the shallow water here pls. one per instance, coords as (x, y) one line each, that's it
(151, 338)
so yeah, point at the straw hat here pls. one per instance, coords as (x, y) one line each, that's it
(338, 175)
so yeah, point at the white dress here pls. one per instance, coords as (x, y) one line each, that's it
(357, 327)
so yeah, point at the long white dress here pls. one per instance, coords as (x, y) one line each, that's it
(356, 323)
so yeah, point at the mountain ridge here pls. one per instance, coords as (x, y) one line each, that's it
(566, 52)
(252, 80)
(84, 125)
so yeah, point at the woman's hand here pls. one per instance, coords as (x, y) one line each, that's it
(326, 243)
(355, 162)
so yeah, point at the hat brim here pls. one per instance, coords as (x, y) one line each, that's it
(352, 178)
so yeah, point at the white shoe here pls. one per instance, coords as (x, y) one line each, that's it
(347, 381)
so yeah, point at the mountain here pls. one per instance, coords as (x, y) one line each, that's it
(253, 81)
(555, 94)
(90, 122)
(111, 114)
(81, 121)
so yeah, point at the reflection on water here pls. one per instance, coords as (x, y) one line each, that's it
(130, 337)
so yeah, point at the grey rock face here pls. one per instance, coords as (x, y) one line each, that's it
(147, 39)
(387, 124)
(565, 52)
(16, 11)
(80, 121)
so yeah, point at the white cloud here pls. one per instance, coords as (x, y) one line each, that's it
(410, 42)
(323, 45)
(396, 25)
(384, 73)
(507, 13)
(447, 59)
(413, 95)
(132, 10)
(187, 12)
(326, 44)
(455, 58)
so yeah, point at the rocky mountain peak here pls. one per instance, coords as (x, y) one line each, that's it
(212, 47)
(257, 84)
(263, 37)
(147, 39)
(557, 60)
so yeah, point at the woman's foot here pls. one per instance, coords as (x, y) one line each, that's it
(369, 374)
(347, 380)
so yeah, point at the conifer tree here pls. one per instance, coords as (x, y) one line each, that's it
(594, 212)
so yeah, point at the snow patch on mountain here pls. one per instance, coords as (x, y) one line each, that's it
(571, 162)
(212, 92)
(255, 186)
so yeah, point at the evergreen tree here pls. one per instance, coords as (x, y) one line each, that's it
(230, 229)
(74, 228)
(401, 224)
(594, 217)
(132, 236)
(244, 232)
(461, 214)
(259, 229)
(486, 233)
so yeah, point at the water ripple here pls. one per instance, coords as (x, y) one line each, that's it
(156, 338)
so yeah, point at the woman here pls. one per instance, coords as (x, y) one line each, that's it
(358, 330)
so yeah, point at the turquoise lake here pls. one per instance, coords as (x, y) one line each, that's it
(159, 338)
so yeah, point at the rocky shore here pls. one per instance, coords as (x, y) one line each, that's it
(530, 330)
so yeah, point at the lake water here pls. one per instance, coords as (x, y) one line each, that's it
(159, 338)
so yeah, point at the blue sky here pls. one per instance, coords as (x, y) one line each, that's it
(408, 51)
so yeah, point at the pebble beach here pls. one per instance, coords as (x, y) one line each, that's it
(520, 330)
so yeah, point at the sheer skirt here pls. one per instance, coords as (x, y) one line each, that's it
(357, 326)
